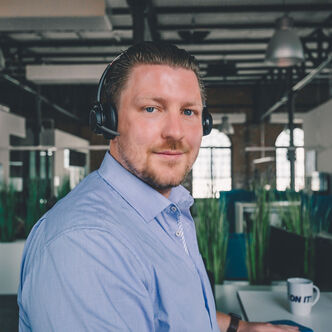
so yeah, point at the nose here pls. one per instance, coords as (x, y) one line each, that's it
(173, 126)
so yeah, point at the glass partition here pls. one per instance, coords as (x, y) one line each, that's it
(36, 177)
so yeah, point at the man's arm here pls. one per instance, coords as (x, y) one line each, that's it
(224, 321)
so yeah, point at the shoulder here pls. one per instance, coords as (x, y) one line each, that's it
(93, 204)
(92, 212)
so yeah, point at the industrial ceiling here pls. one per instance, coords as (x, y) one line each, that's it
(229, 38)
(57, 50)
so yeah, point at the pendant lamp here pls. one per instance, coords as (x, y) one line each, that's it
(285, 47)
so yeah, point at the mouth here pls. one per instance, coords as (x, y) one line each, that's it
(169, 154)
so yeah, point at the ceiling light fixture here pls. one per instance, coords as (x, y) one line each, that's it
(226, 127)
(285, 47)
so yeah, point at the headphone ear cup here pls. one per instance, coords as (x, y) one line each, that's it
(113, 118)
(96, 118)
(207, 122)
(110, 120)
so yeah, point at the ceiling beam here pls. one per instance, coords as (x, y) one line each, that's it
(144, 20)
(238, 26)
(108, 54)
(167, 10)
(55, 54)
(219, 26)
(152, 20)
(125, 42)
(129, 41)
(137, 9)
(96, 61)
(65, 42)
(26, 24)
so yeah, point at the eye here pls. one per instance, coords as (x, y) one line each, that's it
(188, 112)
(150, 109)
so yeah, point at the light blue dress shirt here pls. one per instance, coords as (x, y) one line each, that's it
(115, 255)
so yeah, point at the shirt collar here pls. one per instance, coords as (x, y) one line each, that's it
(181, 197)
(143, 198)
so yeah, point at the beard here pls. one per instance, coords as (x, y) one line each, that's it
(149, 172)
(155, 182)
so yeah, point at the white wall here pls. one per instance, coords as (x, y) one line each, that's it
(317, 126)
(10, 261)
(10, 124)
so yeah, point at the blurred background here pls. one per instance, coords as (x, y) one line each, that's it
(264, 172)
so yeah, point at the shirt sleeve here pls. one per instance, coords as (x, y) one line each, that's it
(88, 280)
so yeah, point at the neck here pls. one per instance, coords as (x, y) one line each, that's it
(165, 192)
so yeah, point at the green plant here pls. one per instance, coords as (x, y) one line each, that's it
(299, 219)
(64, 188)
(212, 235)
(309, 248)
(36, 201)
(8, 204)
(325, 223)
(257, 238)
(291, 217)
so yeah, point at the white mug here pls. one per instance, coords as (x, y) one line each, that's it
(300, 295)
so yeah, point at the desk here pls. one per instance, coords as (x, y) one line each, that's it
(265, 303)
(273, 305)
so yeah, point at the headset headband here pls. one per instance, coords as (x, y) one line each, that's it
(102, 79)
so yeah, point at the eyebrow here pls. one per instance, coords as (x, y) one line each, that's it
(163, 101)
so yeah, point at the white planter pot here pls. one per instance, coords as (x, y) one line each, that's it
(10, 261)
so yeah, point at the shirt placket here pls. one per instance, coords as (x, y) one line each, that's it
(175, 212)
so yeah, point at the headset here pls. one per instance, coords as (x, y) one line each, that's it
(103, 117)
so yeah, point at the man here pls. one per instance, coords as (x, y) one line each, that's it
(119, 253)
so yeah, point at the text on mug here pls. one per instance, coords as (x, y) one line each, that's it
(294, 298)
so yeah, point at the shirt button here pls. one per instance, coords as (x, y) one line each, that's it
(178, 233)
(173, 208)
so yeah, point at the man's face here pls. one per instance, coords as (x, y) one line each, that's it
(160, 125)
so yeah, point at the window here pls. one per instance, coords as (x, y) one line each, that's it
(283, 164)
(212, 169)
